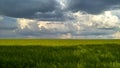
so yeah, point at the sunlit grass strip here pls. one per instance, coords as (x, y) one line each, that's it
(55, 42)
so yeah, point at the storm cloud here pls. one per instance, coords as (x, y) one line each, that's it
(52, 9)
(92, 6)
(26, 8)
(60, 19)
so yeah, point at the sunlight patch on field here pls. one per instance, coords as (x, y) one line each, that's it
(54, 42)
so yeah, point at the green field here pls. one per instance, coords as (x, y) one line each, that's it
(55, 42)
(54, 53)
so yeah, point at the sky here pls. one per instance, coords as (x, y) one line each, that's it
(61, 19)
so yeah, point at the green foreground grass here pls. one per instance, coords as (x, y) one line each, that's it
(60, 55)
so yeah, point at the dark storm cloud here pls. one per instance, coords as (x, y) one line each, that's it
(91, 6)
(50, 10)
(54, 15)
(26, 8)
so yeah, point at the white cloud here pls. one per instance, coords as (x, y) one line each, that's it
(26, 23)
(60, 27)
(63, 4)
(66, 36)
(1, 18)
(105, 25)
(46, 26)
(104, 20)
(96, 26)
(116, 35)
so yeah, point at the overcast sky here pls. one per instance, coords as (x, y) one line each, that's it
(64, 19)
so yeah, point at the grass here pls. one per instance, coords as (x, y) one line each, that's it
(60, 54)
(55, 42)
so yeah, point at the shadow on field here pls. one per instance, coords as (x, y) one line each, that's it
(80, 56)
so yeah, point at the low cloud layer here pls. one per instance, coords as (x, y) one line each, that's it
(82, 26)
